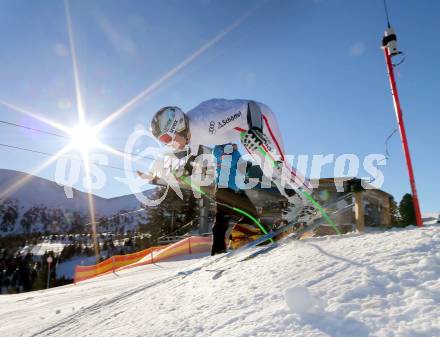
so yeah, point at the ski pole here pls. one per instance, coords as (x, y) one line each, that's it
(187, 182)
(307, 195)
(313, 201)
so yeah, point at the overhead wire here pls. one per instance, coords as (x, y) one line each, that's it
(28, 150)
(385, 5)
(61, 136)
(32, 129)
(387, 154)
(386, 143)
(64, 156)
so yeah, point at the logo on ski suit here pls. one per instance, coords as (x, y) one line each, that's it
(223, 122)
(211, 127)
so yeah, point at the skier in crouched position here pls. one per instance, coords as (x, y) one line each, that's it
(223, 123)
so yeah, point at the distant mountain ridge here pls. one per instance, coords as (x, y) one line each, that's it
(40, 205)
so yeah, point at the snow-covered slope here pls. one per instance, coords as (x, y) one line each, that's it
(40, 191)
(43, 198)
(431, 218)
(376, 284)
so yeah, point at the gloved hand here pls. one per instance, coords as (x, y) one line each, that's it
(253, 139)
(147, 176)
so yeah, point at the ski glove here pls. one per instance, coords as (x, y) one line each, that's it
(253, 139)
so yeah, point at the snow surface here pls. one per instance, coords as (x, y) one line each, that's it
(431, 218)
(44, 247)
(374, 284)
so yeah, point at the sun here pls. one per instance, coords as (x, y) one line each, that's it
(84, 137)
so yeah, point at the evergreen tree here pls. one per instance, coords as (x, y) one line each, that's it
(40, 279)
(406, 210)
(171, 214)
(165, 217)
(155, 217)
(394, 212)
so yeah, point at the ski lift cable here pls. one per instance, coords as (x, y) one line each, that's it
(53, 155)
(28, 150)
(32, 129)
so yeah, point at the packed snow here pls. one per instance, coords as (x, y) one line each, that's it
(44, 247)
(374, 284)
(431, 218)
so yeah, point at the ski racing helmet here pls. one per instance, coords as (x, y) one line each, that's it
(168, 122)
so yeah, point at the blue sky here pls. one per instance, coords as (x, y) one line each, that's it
(316, 63)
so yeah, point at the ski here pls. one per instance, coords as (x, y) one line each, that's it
(284, 228)
(264, 249)
(303, 190)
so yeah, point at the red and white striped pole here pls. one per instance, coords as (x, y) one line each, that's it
(389, 44)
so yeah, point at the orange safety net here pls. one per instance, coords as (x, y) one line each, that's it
(111, 264)
(187, 246)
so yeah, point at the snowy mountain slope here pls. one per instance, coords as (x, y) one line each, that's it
(40, 191)
(376, 284)
(45, 198)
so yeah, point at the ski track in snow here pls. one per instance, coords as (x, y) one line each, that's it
(375, 284)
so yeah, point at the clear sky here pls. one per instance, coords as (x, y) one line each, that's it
(316, 63)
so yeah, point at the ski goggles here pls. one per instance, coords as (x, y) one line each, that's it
(166, 138)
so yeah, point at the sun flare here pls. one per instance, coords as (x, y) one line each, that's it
(84, 137)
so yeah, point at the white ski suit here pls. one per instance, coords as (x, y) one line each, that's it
(221, 121)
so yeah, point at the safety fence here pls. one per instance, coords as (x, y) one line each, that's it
(187, 246)
(111, 264)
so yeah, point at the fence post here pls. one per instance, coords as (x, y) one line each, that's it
(189, 245)
(113, 263)
(152, 250)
